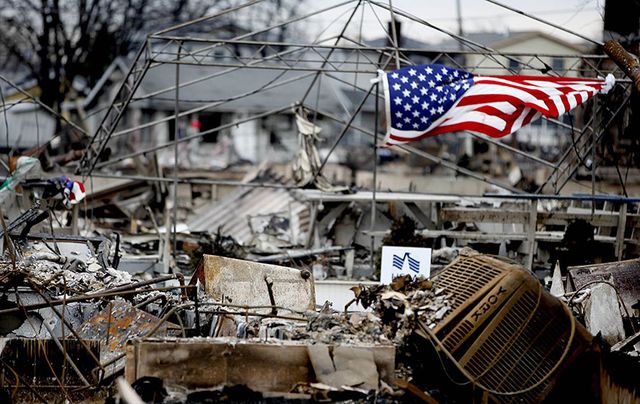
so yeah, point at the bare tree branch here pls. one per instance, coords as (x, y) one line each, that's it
(60, 40)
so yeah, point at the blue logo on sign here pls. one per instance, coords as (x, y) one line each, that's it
(398, 262)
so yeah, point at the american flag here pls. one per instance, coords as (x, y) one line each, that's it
(428, 100)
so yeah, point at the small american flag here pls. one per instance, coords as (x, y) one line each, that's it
(428, 100)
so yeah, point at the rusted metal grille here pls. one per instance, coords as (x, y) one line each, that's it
(452, 340)
(512, 344)
(469, 275)
(511, 361)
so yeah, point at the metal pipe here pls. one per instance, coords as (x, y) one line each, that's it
(147, 301)
(81, 298)
(138, 284)
(236, 66)
(624, 60)
(375, 177)
(363, 47)
(342, 133)
(176, 136)
(197, 181)
(394, 34)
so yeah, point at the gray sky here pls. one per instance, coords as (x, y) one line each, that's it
(583, 16)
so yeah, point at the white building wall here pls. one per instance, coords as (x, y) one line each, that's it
(249, 140)
(495, 65)
(29, 126)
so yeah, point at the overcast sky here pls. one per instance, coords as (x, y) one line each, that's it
(583, 16)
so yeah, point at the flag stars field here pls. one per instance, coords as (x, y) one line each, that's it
(453, 100)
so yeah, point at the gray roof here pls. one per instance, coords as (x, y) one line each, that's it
(232, 213)
(483, 38)
(244, 89)
(498, 40)
(406, 42)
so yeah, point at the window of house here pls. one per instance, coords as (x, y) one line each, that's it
(557, 64)
(208, 122)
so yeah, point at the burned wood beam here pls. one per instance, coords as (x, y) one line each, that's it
(627, 62)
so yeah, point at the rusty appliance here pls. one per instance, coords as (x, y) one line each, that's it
(505, 332)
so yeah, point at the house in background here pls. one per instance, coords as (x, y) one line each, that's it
(534, 53)
(213, 97)
(29, 125)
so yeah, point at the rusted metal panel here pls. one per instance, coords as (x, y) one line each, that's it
(261, 367)
(625, 275)
(245, 283)
(118, 323)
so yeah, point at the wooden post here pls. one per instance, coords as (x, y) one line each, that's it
(627, 62)
(531, 234)
(312, 224)
(74, 220)
(622, 223)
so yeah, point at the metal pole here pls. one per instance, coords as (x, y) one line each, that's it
(176, 135)
(593, 154)
(394, 33)
(375, 179)
(198, 181)
(343, 132)
(459, 18)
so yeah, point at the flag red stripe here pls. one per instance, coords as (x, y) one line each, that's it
(513, 100)
(484, 108)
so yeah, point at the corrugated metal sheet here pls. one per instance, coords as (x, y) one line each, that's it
(232, 214)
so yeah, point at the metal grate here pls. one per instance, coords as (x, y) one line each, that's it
(517, 341)
(468, 275)
(453, 340)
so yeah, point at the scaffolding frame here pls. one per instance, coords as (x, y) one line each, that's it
(323, 60)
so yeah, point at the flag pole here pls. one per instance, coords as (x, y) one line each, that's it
(375, 179)
(394, 33)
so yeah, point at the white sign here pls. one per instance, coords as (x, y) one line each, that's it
(397, 261)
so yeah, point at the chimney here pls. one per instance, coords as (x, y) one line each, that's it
(398, 25)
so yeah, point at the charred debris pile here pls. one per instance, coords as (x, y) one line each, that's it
(101, 302)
